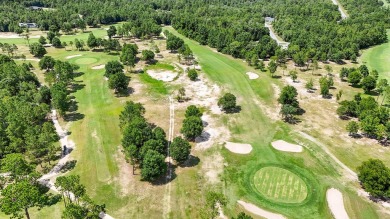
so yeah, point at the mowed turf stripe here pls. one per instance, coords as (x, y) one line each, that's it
(280, 185)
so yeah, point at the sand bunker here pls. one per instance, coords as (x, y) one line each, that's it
(336, 204)
(238, 148)
(162, 75)
(252, 75)
(73, 56)
(97, 67)
(260, 212)
(285, 146)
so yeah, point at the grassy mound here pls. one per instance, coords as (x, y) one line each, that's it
(280, 185)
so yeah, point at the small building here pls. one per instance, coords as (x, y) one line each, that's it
(283, 45)
(35, 8)
(28, 25)
(269, 20)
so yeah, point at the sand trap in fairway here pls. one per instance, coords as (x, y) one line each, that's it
(162, 75)
(336, 204)
(238, 148)
(252, 75)
(260, 212)
(69, 57)
(98, 67)
(285, 146)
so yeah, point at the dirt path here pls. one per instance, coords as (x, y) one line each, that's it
(341, 9)
(351, 173)
(47, 179)
(167, 195)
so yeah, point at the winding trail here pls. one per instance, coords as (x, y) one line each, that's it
(343, 13)
(351, 173)
(46, 179)
(167, 195)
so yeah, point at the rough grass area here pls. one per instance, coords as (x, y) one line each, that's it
(378, 58)
(280, 185)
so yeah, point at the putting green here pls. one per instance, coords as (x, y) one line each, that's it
(280, 185)
(86, 61)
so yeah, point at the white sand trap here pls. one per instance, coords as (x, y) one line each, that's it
(162, 75)
(69, 57)
(260, 212)
(97, 67)
(285, 146)
(336, 204)
(252, 75)
(238, 148)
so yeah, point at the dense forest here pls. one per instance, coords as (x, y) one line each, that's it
(315, 29)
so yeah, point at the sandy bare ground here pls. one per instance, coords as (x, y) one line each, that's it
(162, 75)
(212, 133)
(97, 67)
(260, 212)
(212, 168)
(11, 35)
(73, 56)
(36, 60)
(252, 75)
(343, 15)
(285, 146)
(238, 148)
(336, 204)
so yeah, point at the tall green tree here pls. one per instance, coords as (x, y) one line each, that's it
(192, 127)
(37, 50)
(375, 178)
(180, 149)
(153, 165)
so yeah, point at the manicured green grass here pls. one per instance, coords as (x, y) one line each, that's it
(280, 185)
(252, 126)
(378, 58)
(154, 86)
(85, 61)
(161, 65)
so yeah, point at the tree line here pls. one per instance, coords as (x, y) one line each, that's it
(146, 145)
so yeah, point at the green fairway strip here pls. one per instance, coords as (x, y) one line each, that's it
(378, 57)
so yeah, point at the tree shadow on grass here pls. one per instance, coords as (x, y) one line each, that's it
(69, 165)
(166, 178)
(205, 136)
(73, 116)
(190, 162)
(77, 74)
(236, 109)
(76, 87)
(124, 93)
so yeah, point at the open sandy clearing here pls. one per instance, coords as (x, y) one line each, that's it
(252, 75)
(73, 56)
(238, 148)
(162, 75)
(261, 212)
(285, 146)
(97, 67)
(336, 204)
